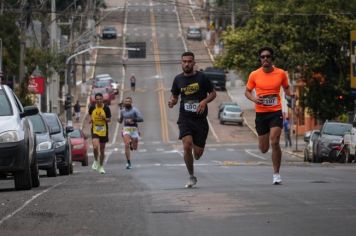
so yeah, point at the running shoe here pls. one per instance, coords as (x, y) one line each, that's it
(101, 170)
(128, 166)
(191, 182)
(95, 165)
(195, 157)
(277, 179)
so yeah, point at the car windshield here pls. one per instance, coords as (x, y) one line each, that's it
(194, 30)
(233, 108)
(5, 107)
(109, 29)
(75, 134)
(102, 83)
(53, 123)
(337, 129)
(38, 124)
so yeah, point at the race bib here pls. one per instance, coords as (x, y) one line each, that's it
(130, 129)
(100, 128)
(270, 100)
(191, 106)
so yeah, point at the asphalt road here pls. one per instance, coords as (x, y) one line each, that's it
(234, 195)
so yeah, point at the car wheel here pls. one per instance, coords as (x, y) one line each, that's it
(35, 173)
(23, 180)
(52, 172)
(64, 170)
(221, 122)
(85, 162)
(306, 156)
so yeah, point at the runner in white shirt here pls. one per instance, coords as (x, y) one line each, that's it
(130, 116)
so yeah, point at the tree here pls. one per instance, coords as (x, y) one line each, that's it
(302, 33)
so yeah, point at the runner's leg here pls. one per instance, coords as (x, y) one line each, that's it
(96, 145)
(102, 153)
(134, 143)
(275, 135)
(263, 142)
(127, 139)
(188, 156)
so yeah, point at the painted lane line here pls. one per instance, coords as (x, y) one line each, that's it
(28, 202)
(248, 151)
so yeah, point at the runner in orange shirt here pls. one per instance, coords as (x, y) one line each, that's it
(267, 82)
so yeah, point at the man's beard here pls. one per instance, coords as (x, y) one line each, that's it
(188, 70)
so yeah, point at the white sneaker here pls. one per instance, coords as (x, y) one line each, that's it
(95, 165)
(101, 170)
(277, 179)
(191, 182)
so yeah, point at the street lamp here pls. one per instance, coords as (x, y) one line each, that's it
(66, 76)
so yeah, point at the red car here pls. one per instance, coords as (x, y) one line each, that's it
(105, 83)
(104, 92)
(79, 146)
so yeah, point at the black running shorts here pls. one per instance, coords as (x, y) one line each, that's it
(198, 128)
(266, 120)
(102, 139)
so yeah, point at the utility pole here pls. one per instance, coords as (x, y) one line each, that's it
(23, 27)
(1, 73)
(233, 14)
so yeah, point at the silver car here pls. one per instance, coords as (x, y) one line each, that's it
(309, 138)
(231, 114)
(194, 32)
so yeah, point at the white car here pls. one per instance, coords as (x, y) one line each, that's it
(231, 114)
(114, 83)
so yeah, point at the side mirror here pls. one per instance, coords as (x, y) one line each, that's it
(307, 136)
(69, 129)
(29, 111)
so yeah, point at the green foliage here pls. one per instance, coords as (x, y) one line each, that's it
(302, 33)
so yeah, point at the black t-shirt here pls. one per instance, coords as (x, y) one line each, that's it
(192, 90)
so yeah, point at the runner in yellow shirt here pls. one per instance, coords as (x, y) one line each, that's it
(100, 115)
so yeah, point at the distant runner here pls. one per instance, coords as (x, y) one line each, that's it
(100, 115)
(130, 116)
(195, 91)
(133, 82)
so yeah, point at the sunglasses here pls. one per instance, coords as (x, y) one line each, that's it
(265, 56)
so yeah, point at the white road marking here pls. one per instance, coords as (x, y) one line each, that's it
(249, 151)
(28, 202)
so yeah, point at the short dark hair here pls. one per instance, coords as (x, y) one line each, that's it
(266, 49)
(98, 94)
(187, 54)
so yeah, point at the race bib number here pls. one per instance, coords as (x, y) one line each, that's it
(191, 106)
(100, 128)
(130, 129)
(270, 100)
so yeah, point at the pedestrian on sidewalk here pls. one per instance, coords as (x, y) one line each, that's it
(76, 108)
(286, 128)
(267, 82)
(195, 92)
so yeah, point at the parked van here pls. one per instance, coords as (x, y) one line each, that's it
(217, 77)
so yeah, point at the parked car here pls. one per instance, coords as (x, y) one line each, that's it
(217, 76)
(104, 92)
(17, 141)
(79, 144)
(109, 32)
(46, 155)
(231, 114)
(194, 32)
(221, 106)
(62, 145)
(309, 139)
(330, 138)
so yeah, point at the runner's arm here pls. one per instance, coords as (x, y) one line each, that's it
(250, 96)
(203, 103)
(139, 117)
(172, 101)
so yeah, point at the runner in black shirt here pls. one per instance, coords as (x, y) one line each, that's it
(195, 91)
